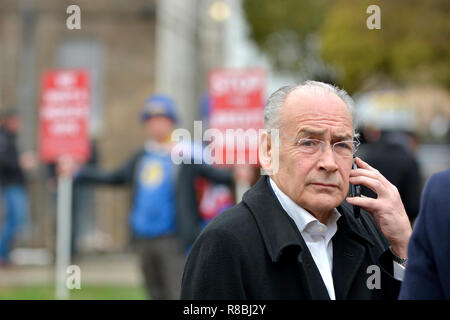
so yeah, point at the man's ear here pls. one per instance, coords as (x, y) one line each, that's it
(269, 151)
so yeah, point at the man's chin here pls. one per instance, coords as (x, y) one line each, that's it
(325, 203)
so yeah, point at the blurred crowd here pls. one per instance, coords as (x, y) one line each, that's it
(170, 203)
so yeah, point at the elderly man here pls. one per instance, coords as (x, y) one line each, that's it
(294, 236)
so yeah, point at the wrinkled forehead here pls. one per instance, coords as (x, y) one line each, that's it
(316, 107)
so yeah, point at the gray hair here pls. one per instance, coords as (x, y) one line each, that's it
(272, 110)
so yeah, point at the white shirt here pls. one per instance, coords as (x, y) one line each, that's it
(318, 237)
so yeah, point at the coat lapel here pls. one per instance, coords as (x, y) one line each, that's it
(349, 251)
(348, 255)
(312, 281)
(279, 232)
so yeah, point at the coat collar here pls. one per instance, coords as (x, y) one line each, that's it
(277, 229)
(279, 233)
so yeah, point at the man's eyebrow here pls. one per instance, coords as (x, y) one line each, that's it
(342, 137)
(304, 132)
(310, 132)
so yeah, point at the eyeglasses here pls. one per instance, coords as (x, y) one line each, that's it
(345, 149)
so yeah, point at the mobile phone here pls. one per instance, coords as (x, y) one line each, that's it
(355, 192)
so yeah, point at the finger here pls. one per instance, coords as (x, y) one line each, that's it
(363, 172)
(368, 204)
(373, 184)
(364, 165)
(374, 174)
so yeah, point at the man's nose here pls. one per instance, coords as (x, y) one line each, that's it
(327, 160)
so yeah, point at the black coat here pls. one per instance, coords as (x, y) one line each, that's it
(10, 170)
(255, 251)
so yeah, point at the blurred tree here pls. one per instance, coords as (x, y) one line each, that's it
(412, 44)
(285, 29)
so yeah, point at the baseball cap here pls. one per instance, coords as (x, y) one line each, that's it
(159, 105)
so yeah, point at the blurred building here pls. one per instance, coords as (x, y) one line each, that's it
(132, 49)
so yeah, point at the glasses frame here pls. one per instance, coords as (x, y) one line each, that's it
(356, 143)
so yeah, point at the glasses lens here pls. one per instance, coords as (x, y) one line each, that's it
(345, 148)
(309, 146)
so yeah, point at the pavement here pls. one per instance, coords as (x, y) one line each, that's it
(96, 269)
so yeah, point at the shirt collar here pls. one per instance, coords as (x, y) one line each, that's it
(302, 218)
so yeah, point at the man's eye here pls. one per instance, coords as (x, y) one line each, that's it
(344, 145)
(308, 143)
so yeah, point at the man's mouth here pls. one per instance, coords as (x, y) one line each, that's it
(324, 185)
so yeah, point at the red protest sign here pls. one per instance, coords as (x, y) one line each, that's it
(237, 104)
(64, 115)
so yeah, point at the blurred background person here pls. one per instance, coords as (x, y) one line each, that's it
(202, 192)
(393, 154)
(12, 181)
(205, 190)
(151, 173)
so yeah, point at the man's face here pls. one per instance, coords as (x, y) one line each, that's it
(159, 128)
(318, 182)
